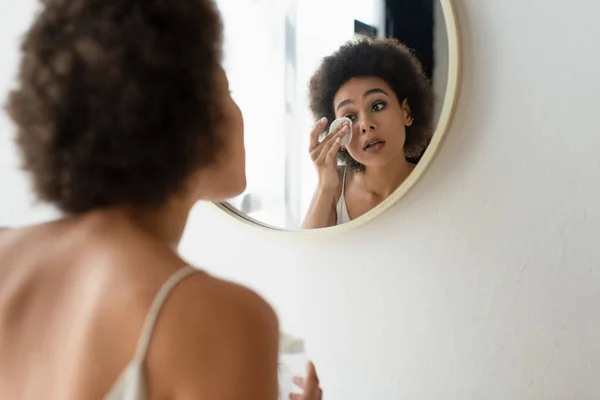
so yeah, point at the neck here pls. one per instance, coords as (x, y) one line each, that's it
(382, 181)
(164, 224)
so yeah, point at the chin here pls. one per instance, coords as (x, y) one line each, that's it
(379, 159)
(240, 188)
(223, 189)
(231, 189)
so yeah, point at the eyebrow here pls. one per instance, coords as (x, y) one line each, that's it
(367, 93)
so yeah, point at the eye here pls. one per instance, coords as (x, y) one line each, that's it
(350, 117)
(378, 106)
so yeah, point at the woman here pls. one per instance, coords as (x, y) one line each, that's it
(124, 121)
(380, 86)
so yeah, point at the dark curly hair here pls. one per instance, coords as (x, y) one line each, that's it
(115, 101)
(390, 60)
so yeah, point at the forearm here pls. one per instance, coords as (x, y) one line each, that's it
(321, 213)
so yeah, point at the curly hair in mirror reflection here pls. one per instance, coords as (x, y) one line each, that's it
(115, 100)
(387, 59)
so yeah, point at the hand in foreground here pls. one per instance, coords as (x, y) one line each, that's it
(310, 385)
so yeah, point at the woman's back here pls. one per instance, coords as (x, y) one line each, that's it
(74, 296)
(124, 120)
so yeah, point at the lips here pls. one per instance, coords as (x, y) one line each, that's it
(372, 142)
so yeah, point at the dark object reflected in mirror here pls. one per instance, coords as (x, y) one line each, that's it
(362, 29)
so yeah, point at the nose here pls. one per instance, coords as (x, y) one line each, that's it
(366, 126)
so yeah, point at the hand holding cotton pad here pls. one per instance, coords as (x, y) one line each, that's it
(336, 124)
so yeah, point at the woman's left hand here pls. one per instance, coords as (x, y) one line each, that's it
(310, 385)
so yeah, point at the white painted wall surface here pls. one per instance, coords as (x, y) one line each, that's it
(484, 282)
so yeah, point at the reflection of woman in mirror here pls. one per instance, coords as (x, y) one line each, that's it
(379, 85)
(124, 121)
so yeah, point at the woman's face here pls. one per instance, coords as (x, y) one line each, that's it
(226, 178)
(379, 120)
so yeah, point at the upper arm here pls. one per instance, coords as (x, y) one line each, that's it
(4, 233)
(222, 344)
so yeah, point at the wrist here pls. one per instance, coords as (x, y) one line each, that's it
(326, 191)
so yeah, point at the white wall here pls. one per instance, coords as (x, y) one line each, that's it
(484, 283)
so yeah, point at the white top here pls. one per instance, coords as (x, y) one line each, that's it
(132, 384)
(341, 209)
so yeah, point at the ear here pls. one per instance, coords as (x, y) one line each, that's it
(407, 113)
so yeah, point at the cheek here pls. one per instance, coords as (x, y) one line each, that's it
(231, 133)
(401, 131)
(399, 138)
(235, 126)
(355, 144)
(240, 124)
(354, 149)
(398, 129)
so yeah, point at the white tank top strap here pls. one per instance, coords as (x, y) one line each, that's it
(344, 181)
(132, 383)
(341, 209)
(154, 311)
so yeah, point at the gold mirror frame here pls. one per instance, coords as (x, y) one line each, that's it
(445, 120)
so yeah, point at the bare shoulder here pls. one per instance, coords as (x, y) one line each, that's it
(9, 239)
(4, 231)
(226, 300)
(215, 339)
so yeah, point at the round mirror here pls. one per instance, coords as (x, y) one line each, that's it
(345, 103)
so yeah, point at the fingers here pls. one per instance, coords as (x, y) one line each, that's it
(296, 396)
(340, 131)
(327, 150)
(330, 148)
(312, 379)
(333, 150)
(310, 385)
(314, 135)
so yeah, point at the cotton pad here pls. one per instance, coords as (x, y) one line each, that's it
(335, 124)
